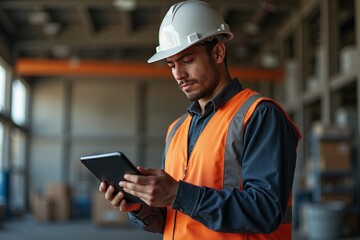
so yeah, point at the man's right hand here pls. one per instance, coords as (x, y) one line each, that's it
(118, 201)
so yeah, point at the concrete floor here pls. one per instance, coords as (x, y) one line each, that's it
(26, 228)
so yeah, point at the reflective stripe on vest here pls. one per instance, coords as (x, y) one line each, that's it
(233, 151)
(232, 167)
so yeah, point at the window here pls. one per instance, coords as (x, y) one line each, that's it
(2, 182)
(13, 141)
(18, 165)
(2, 87)
(18, 145)
(18, 106)
(1, 145)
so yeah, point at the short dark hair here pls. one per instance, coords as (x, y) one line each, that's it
(209, 45)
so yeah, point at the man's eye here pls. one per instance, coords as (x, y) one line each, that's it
(187, 61)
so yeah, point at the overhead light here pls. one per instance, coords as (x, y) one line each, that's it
(269, 60)
(52, 28)
(125, 5)
(251, 28)
(38, 18)
(61, 51)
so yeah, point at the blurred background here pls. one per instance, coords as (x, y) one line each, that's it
(74, 81)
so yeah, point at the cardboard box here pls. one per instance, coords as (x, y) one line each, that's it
(42, 207)
(346, 199)
(104, 214)
(335, 155)
(60, 195)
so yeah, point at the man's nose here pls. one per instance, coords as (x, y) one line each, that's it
(179, 73)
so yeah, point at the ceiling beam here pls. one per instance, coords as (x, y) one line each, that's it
(84, 44)
(47, 67)
(245, 4)
(86, 19)
(116, 36)
(127, 24)
(10, 27)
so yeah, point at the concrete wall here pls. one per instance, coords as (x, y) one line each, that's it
(75, 117)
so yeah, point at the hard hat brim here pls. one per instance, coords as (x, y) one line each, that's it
(168, 53)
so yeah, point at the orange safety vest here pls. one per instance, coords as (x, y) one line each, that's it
(208, 165)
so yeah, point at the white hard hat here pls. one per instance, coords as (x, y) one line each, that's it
(187, 23)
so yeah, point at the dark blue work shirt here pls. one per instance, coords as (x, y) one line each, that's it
(199, 122)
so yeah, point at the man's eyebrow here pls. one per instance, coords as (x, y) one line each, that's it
(179, 58)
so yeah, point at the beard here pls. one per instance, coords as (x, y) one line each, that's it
(203, 88)
(191, 95)
(195, 94)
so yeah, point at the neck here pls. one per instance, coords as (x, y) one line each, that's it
(222, 84)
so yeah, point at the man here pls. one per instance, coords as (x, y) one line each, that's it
(229, 162)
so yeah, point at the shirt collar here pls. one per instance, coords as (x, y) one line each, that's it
(219, 100)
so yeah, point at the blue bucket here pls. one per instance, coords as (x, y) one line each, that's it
(324, 220)
(4, 193)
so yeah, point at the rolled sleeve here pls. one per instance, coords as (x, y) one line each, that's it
(149, 219)
(186, 198)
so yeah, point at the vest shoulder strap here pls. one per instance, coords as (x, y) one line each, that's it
(241, 117)
(234, 144)
(173, 131)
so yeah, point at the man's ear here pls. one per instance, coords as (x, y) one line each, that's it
(219, 52)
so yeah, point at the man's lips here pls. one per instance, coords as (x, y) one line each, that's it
(186, 85)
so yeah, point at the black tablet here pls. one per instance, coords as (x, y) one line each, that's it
(110, 168)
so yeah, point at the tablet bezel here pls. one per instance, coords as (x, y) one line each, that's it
(111, 168)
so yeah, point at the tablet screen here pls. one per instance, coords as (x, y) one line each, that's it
(110, 168)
